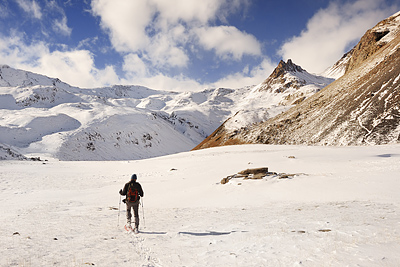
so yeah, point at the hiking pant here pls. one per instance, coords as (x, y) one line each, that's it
(135, 207)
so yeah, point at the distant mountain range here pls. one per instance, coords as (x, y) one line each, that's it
(362, 107)
(42, 116)
(47, 117)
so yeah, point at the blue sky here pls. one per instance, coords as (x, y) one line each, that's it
(180, 45)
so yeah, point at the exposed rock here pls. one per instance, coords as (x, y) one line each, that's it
(368, 45)
(257, 174)
(283, 67)
(372, 41)
(325, 230)
(254, 171)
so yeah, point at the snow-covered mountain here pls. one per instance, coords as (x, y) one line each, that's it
(287, 86)
(42, 116)
(359, 108)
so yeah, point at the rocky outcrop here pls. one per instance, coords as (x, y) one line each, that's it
(258, 174)
(368, 45)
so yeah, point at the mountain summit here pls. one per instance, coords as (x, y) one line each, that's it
(283, 67)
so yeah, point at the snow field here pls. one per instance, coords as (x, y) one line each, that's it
(342, 209)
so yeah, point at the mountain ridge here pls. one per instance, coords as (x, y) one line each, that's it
(43, 116)
(359, 108)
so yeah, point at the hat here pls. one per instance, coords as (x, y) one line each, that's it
(133, 177)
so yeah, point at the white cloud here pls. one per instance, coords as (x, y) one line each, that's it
(126, 22)
(30, 7)
(247, 76)
(137, 72)
(188, 10)
(134, 66)
(160, 81)
(4, 11)
(228, 42)
(61, 26)
(157, 35)
(165, 31)
(332, 31)
(75, 67)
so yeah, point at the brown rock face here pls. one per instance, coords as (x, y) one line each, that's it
(367, 46)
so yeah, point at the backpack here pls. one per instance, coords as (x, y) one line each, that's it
(133, 193)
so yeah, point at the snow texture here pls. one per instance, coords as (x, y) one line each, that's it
(342, 209)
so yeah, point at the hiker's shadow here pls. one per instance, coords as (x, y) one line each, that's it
(209, 233)
(153, 233)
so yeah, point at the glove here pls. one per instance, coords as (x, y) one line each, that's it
(120, 191)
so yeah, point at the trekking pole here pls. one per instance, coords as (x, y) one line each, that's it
(119, 207)
(144, 221)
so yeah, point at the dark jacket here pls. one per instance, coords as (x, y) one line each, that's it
(134, 185)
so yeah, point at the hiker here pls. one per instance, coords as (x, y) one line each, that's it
(133, 191)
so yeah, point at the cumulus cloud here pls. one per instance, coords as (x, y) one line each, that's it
(164, 32)
(126, 22)
(178, 83)
(248, 76)
(187, 10)
(332, 31)
(137, 73)
(155, 36)
(75, 67)
(134, 66)
(228, 41)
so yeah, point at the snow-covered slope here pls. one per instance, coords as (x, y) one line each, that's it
(339, 68)
(45, 117)
(7, 153)
(287, 86)
(341, 209)
(42, 116)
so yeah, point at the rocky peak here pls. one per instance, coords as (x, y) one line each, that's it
(283, 67)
